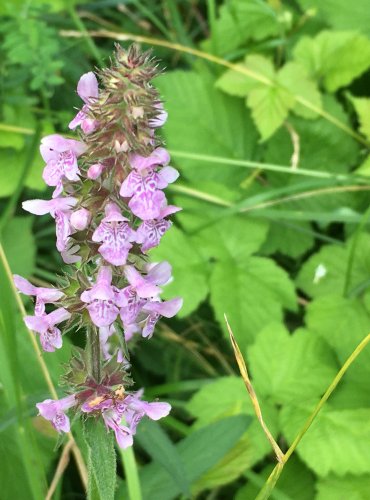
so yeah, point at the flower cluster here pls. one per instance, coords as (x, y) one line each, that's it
(109, 209)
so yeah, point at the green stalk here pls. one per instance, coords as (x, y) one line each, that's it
(93, 350)
(131, 473)
(81, 28)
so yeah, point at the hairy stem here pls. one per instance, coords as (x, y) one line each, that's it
(93, 349)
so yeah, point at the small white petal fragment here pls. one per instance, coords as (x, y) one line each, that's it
(320, 273)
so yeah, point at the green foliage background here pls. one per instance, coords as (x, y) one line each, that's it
(273, 155)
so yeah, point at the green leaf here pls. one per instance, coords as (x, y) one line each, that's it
(271, 103)
(341, 14)
(288, 487)
(243, 20)
(349, 487)
(343, 323)
(299, 367)
(161, 449)
(102, 460)
(19, 245)
(362, 107)
(325, 271)
(219, 126)
(190, 275)
(252, 293)
(336, 442)
(293, 239)
(200, 451)
(224, 397)
(335, 58)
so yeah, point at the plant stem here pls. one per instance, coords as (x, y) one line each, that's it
(93, 349)
(131, 473)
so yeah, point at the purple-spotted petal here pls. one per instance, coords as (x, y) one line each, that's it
(51, 339)
(147, 205)
(150, 232)
(103, 312)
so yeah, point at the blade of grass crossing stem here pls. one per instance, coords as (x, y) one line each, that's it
(217, 60)
(252, 394)
(275, 474)
(131, 473)
(29, 451)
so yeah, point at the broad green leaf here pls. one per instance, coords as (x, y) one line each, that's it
(243, 20)
(293, 239)
(293, 78)
(343, 323)
(102, 460)
(224, 397)
(336, 442)
(270, 106)
(362, 107)
(11, 164)
(295, 482)
(199, 452)
(299, 367)
(219, 126)
(19, 245)
(158, 445)
(325, 272)
(349, 487)
(341, 14)
(251, 293)
(335, 58)
(190, 275)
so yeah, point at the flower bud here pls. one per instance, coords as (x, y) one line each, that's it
(80, 219)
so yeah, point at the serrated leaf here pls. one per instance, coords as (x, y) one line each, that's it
(293, 239)
(349, 487)
(240, 21)
(335, 58)
(190, 275)
(219, 126)
(362, 107)
(336, 442)
(325, 271)
(252, 294)
(102, 460)
(299, 367)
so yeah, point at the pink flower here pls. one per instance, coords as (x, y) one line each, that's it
(95, 171)
(60, 209)
(168, 309)
(123, 434)
(159, 156)
(146, 198)
(141, 288)
(53, 410)
(60, 156)
(150, 232)
(87, 89)
(115, 235)
(80, 219)
(102, 299)
(50, 335)
(161, 117)
(43, 295)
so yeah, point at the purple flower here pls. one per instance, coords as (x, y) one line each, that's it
(94, 171)
(141, 287)
(102, 299)
(60, 155)
(150, 232)
(115, 235)
(87, 89)
(146, 198)
(161, 117)
(60, 209)
(43, 295)
(50, 335)
(159, 156)
(168, 309)
(53, 410)
(124, 436)
(80, 219)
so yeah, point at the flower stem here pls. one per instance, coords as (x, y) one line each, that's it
(93, 349)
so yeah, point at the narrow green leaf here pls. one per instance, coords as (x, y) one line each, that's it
(102, 460)
(157, 444)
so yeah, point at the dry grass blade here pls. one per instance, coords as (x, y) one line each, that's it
(248, 384)
(62, 465)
